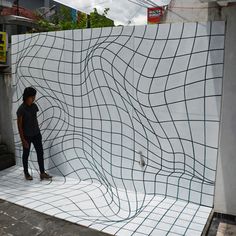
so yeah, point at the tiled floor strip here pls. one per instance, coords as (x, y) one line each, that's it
(89, 204)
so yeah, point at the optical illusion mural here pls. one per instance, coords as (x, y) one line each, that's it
(130, 121)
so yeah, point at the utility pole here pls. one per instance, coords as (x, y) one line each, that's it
(16, 2)
(88, 21)
(17, 8)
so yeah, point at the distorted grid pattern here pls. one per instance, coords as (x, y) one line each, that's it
(114, 97)
(83, 202)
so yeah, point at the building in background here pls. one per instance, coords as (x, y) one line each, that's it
(19, 17)
(23, 16)
(184, 10)
(27, 16)
(16, 17)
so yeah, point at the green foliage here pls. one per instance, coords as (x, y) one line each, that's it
(63, 20)
(65, 14)
(82, 20)
(97, 20)
(66, 25)
(44, 26)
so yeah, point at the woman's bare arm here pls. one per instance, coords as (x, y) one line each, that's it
(20, 128)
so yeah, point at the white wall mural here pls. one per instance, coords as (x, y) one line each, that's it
(133, 111)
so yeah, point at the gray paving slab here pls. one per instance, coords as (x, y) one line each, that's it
(214, 228)
(20, 221)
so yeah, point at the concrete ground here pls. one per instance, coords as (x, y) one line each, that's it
(222, 225)
(19, 221)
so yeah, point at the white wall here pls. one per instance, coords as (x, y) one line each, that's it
(106, 94)
(225, 196)
(6, 132)
(192, 11)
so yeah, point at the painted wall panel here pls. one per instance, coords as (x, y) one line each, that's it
(112, 97)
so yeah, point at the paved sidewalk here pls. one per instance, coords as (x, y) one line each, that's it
(20, 221)
(222, 225)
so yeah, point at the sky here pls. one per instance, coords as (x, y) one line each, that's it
(122, 12)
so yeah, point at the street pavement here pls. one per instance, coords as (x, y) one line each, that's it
(20, 221)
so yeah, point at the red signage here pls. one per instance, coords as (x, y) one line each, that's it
(154, 15)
